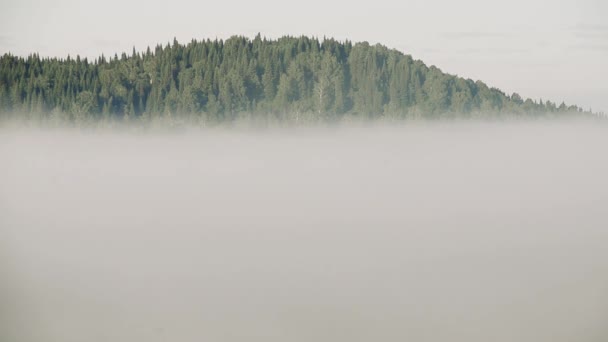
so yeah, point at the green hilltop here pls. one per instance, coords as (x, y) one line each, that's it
(290, 78)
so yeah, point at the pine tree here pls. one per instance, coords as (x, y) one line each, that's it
(221, 80)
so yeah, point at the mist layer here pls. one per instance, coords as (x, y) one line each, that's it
(429, 232)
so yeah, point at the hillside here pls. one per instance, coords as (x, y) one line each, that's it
(285, 79)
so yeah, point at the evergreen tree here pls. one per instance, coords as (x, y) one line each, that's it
(221, 80)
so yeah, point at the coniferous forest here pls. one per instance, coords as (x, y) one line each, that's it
(289, 79)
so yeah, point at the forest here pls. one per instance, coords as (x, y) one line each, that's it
(293, 79)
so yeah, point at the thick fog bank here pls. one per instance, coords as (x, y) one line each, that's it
(427, 232)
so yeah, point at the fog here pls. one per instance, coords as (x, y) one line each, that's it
(416, 232)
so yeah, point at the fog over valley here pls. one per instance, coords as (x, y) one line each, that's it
(428, 171)
(461, 231)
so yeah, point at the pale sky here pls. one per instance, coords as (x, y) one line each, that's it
(549, 49)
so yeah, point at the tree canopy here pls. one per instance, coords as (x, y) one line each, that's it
(290, 78)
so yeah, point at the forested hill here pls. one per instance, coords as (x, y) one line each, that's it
(285, 79)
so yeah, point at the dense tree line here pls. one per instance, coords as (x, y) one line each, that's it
(291, 78)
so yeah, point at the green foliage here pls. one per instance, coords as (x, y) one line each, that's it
(285, 79)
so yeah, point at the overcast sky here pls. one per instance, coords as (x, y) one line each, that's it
(550, 49)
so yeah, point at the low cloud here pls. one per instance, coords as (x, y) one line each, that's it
(105, 43)
(591, 31)
(446, 232)
(590, 47)
(6, 41)
(493, 50)
(473, 34)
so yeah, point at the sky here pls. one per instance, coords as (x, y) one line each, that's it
(551, 49)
